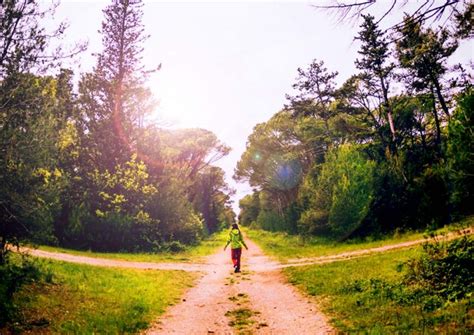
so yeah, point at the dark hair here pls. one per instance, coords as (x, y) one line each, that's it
(235, 226)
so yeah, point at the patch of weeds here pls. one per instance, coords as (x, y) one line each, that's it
(239, 298)
(262, 325)
(231, 282)
(241, 318)
(244, 275)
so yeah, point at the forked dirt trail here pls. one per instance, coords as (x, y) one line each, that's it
(256, 301)
(273, 306)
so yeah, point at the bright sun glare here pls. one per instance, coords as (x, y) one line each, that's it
(173, 111)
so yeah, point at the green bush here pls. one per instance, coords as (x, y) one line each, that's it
(437, 284)
(173, 246)
(445, 269)
(14, 273)
(431, 295)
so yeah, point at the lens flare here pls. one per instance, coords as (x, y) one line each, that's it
(257, 158)
(284, 174)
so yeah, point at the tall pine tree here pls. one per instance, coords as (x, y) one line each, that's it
(113, 97)
(376, 72)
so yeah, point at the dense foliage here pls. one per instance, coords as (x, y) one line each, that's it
(443, 270)
(390, 148)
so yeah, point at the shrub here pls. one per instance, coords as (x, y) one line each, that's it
(174, 246)
(445, 269)
(14, 273)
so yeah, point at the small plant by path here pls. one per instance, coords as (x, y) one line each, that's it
(239, 297)
(242, 316)
(241, 319)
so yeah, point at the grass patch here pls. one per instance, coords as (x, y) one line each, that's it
(82, 299)
(191, 254)
(284, 246)
(241, 318)
(365, 295)
(239, 297)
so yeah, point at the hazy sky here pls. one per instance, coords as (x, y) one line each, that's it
(226, 66)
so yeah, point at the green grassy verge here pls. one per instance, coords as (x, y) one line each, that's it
(82, 299)
(191, 254)
(284, 246)
(364, 296)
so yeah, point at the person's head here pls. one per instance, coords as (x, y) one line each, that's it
(235, 226)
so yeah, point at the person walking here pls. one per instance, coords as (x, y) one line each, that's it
(236, 242)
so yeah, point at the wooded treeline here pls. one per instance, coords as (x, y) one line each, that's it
(80, 166)
(390, 148)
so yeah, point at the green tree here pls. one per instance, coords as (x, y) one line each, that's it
(341, 196)
(423, 53)
(316, 90)
(210, 196)
(376, 73)
(275, 160)
(23, 41)
(32, 118)
(188, 151)
(460, 152)
(113, 98)
(29, 144)
(108, 125)
(249, 208)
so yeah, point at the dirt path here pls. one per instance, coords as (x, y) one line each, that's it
(256, 301)
(209, 266)
(368, 251)
(107, 262)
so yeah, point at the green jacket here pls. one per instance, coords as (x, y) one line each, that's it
(235, 239)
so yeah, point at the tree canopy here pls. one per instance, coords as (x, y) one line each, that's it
(82, 167)
(376, 153)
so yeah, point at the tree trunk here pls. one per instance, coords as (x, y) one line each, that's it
(440, 96)
(389, 109)
(438, 127)
(3, 250)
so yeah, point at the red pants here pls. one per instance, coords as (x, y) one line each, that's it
(236, 253)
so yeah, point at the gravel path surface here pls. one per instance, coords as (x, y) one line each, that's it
(275, 307)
